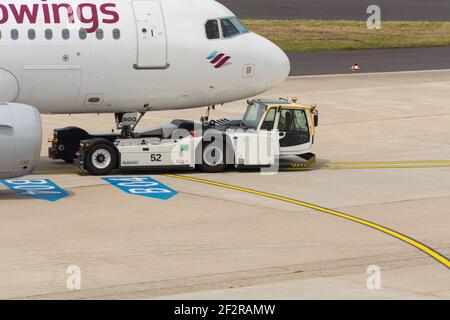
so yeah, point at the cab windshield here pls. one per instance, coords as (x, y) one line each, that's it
(253, 115)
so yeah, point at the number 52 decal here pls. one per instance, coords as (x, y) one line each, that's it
(155, 158)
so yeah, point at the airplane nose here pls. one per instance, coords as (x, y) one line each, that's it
(277, 64)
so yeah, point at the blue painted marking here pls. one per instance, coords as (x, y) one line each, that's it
(142, 186)
(42, 189)
(212, 55)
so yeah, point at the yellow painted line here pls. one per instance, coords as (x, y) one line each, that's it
(387, 162)
(389, 166)
(337, 167)
(416, 244)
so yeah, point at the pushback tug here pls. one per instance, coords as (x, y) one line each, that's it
(269, 129)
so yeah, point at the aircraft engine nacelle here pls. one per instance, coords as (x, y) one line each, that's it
(20, 139)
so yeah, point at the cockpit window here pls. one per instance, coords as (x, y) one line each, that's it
(212, 29)
(232, 26)
(228, 28)
(238, 24)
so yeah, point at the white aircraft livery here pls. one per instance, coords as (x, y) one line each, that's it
(119, 56)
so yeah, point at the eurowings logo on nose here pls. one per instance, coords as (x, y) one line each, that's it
(218, 59)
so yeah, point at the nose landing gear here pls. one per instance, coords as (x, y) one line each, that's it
(205, 119)
(127, 122)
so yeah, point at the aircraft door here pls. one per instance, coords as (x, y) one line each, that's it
(151, 35)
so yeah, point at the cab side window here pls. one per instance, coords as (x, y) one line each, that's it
(269, 121)
(212, 29)
(300, 123)
(293, 120)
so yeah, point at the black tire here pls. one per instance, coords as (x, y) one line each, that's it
(101, 160)
(217, 163)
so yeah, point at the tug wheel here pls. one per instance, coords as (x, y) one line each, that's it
(213, 158)
(101, 160)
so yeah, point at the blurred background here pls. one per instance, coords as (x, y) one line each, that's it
(328, 36)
